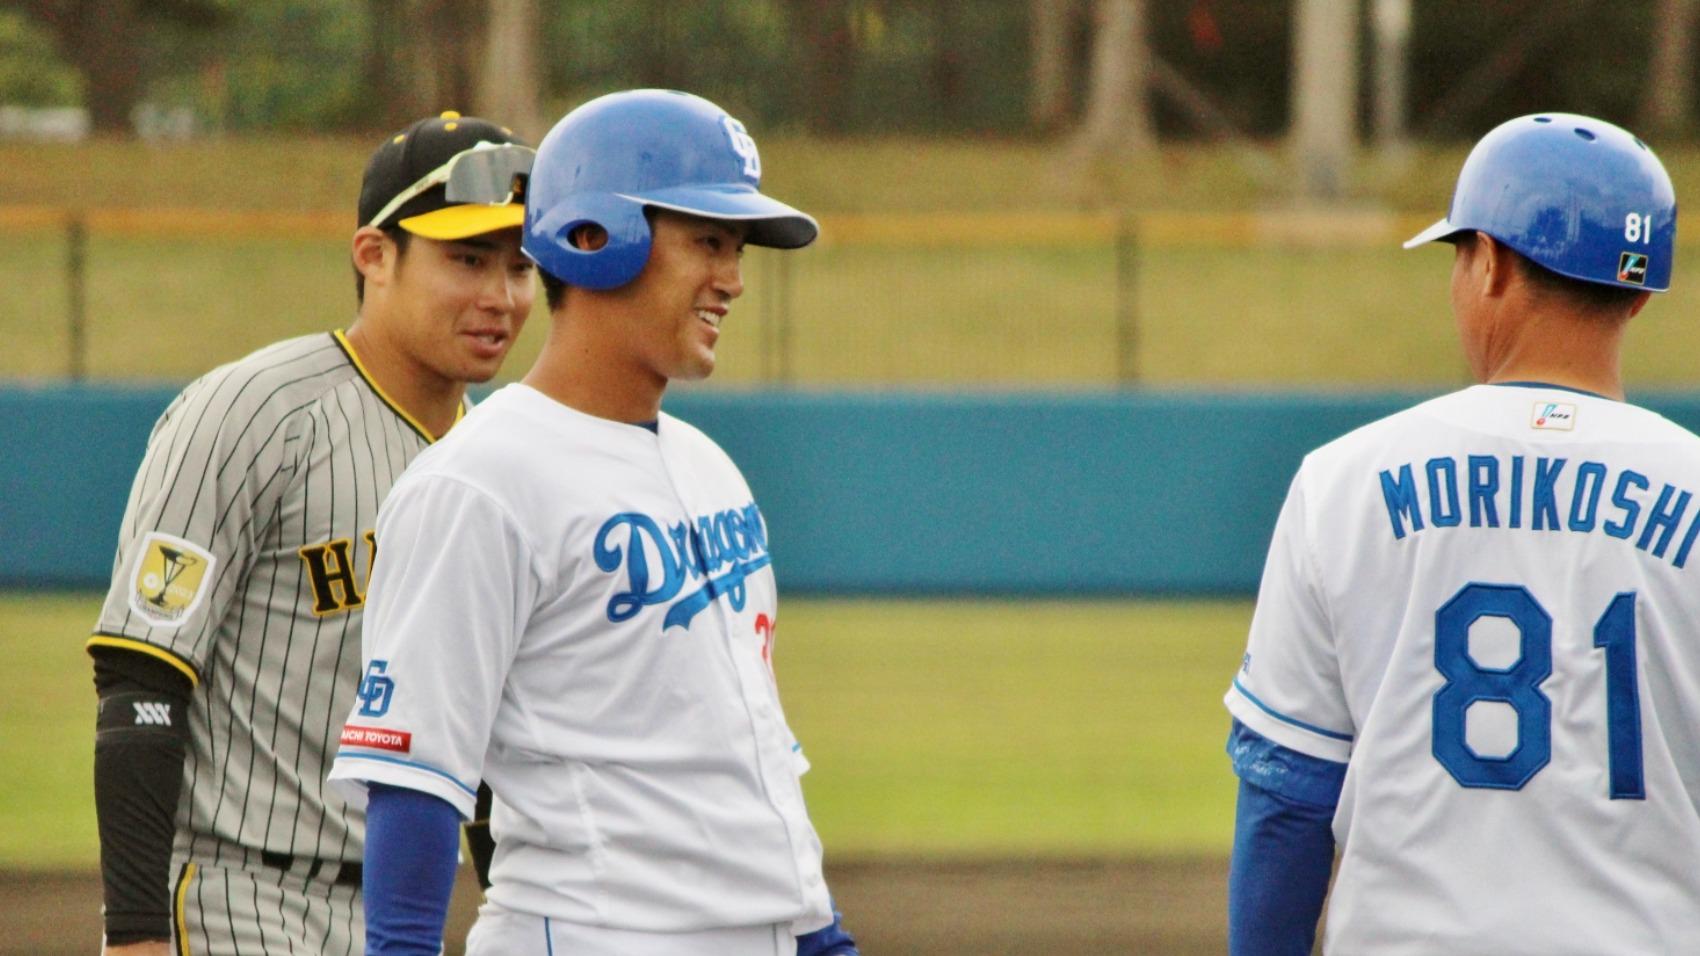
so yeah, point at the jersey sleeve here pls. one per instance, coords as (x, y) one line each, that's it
(215, 468)
(452, 589)
(1288, 687)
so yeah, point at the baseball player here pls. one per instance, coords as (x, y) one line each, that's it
(1473, 663)
(228, 648)
(576, 602)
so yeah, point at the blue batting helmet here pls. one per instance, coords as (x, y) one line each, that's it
(607, 160)
(1577, 195)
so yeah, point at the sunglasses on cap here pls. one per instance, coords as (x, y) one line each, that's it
(487, 173)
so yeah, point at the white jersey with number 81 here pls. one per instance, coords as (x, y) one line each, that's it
(1489, 607)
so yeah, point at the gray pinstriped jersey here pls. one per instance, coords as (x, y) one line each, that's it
(242, 560)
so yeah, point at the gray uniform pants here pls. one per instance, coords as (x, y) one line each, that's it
(258, 910)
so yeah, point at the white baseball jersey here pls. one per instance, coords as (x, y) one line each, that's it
(1488, 606)
(580, 612)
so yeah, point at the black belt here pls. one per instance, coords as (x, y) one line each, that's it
(347, 874)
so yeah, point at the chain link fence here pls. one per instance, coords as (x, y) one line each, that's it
(1017, 301)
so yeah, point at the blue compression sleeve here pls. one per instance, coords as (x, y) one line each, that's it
(1283, 846)
(828, 940)
(409, 873)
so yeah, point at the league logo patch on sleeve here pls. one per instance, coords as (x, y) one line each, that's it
(172, 579)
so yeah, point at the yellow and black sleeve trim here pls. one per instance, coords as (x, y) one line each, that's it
(101, 639)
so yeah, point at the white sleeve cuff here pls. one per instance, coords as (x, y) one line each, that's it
(1290, 732)
(353, 771)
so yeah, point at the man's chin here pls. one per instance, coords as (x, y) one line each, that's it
(696, 371)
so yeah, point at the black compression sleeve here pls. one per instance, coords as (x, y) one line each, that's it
(141, 736)
(478, 838)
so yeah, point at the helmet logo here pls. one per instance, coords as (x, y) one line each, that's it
(1632, 267)
(744, 145)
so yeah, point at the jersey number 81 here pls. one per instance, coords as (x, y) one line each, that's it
(1519, 686)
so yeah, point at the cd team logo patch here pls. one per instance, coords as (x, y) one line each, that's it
(1632, 267)
(1557, 416)
(172, 579)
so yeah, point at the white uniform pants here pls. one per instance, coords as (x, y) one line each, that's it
(503, 932)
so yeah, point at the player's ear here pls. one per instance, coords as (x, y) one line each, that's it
(369, 248)
(1638, 303)
(588, 237)
(1496, 264)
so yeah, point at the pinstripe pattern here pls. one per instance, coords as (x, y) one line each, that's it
(229, 910)
(286, 451)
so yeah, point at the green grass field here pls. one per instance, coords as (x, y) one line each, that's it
(972, 728)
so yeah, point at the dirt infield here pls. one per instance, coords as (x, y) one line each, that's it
(1169, 907)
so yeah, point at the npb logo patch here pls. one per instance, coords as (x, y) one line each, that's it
(744, 145)
(1632, 267)
(376, 690)
(1554, 416)
(172, 579)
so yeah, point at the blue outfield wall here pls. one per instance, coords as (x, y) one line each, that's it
(1077, 494)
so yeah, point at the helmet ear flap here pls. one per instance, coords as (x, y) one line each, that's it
(549, 241)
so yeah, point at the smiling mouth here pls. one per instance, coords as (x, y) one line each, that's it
(489, 338)
(709, 316)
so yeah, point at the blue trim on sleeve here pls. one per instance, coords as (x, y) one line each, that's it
(1277, 769)
(1278, 874)
(830, 940)
(1283, 718)
(411, 843)
(470, 791)
(548, 938)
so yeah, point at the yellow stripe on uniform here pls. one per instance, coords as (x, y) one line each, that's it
(143, 647)
(395, 406)
(182, 909)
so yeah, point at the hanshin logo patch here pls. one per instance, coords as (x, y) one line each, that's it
(172, 579)
(1555, 416)
(1632, 267)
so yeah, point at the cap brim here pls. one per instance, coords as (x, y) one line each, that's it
(459, 222)
(1444, 229)
(772, 223)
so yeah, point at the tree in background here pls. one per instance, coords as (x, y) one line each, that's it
(1669, 105)
(104, 41)
(829, 58)
(423, 56)
(1052, 23)
(1214, 69)
(1118, 105)
(509, 84)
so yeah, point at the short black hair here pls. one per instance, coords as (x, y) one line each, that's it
(400, 237)
(554, 289)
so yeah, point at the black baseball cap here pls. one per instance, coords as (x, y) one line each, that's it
(420, 160)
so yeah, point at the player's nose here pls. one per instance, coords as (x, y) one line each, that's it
(503, 290)
(729, 277)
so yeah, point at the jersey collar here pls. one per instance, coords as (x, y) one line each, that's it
(383, 396)
(1561, 388)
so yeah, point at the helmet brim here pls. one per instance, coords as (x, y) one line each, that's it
(1441, 231)
(771, 222)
